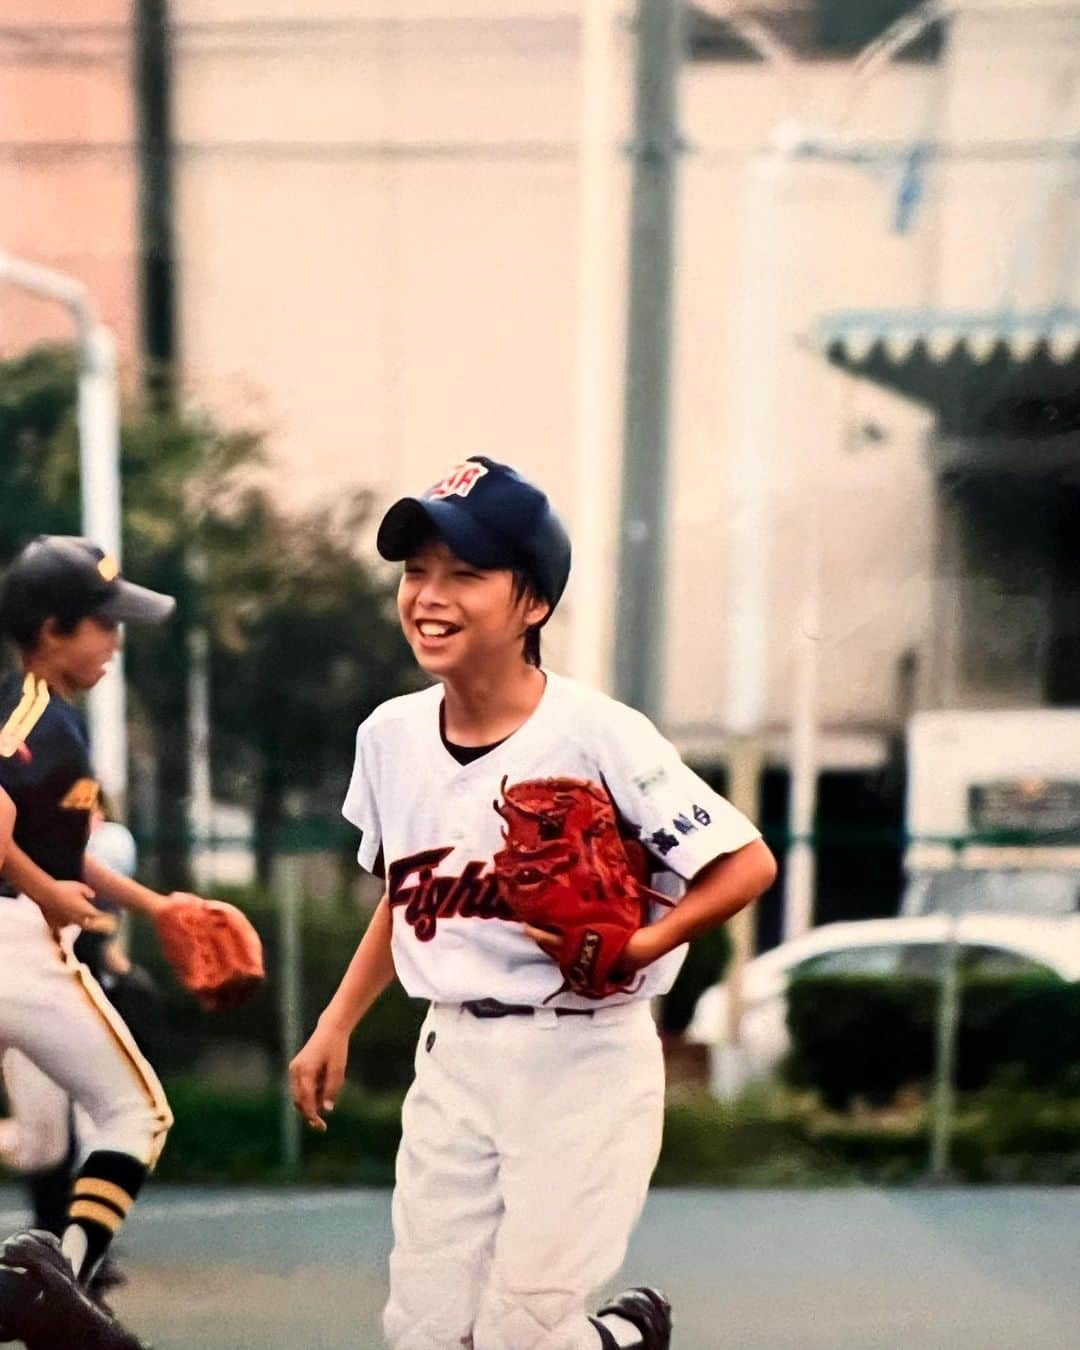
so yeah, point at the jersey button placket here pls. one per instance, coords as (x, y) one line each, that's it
(457, 791)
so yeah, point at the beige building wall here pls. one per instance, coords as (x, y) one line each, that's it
(378, 243)
(68, 185)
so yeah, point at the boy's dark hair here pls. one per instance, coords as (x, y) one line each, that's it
(524, 585)
(25, 631)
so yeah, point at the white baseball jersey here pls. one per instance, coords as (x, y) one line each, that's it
(434, 822)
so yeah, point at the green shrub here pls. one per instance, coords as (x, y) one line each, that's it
(859, 1036)
(225, 1135)
(1029, 1027)
(777, 1138)
(867, 1037)
(706, 961)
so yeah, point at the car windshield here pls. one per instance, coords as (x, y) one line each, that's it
(984, 892)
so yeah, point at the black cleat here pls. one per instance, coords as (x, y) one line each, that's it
(42, 1305)
(108, 1276)
(104, 1280)
(14, 1294)
(646, 1309)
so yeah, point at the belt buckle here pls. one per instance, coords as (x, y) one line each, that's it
(491, 1007)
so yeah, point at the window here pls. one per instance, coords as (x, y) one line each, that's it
(922, 960)
(975, 891)
(881, 960)
(987, 960)
(848, 25)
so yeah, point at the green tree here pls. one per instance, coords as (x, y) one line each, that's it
(301, 641)
(305, 648)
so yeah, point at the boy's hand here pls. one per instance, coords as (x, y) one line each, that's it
(70, 902)
(643, 948)
(318, 1071)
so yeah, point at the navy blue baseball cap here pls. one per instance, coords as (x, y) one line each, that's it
(68, 577)
(489, 516)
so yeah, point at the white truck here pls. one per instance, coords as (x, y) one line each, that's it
(993, 812)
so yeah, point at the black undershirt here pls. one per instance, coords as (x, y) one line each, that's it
(464, 754)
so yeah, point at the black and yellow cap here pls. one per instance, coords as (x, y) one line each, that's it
(69, 578)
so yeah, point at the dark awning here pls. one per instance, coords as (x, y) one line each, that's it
(1000, 373)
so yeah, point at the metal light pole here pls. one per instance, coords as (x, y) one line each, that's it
(761, 341)
(758, 325)
(640, 627)
(947, 1026)
(99, 468)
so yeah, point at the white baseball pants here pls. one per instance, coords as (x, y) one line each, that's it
(528, 1144)
(37, 1135)
(54, 1012)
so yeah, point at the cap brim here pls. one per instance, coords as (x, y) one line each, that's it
(136, 604)
(412, 520)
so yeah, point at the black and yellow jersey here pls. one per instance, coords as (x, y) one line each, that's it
(45, 769)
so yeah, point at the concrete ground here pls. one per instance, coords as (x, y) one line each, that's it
(757, 1270)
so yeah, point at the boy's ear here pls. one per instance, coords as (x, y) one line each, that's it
(536, 611)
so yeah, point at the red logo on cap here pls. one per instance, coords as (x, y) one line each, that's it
(459, 482)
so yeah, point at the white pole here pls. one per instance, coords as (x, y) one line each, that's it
(290, 1005)
(756, 377)
(801, 860)
(596, 465)
(800, 869)
(758, 350)
(200, 802)
(99, 465)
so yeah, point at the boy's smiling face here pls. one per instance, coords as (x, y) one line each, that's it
(457, 617)
(74, 662)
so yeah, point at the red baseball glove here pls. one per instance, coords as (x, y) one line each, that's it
(213, 948)
(565, 868)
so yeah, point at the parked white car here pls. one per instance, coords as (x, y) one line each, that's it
(989, 944)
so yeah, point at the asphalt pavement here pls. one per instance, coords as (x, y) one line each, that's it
(985, 1269)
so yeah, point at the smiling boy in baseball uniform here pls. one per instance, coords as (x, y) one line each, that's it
(534, 1121)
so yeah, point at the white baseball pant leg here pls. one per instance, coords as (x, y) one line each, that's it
(54, 1012)
(528, 1145)
(37, 1135)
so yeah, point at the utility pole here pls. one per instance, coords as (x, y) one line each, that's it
(181, 741)
(153, 86)
(640, 602)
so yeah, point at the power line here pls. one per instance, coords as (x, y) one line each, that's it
(325, 151)
(871, 153)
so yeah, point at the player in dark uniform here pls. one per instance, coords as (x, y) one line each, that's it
(61, 604)
(40, 1141)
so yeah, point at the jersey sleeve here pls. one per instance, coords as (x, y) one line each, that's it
(680, 819)
(360, 807)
